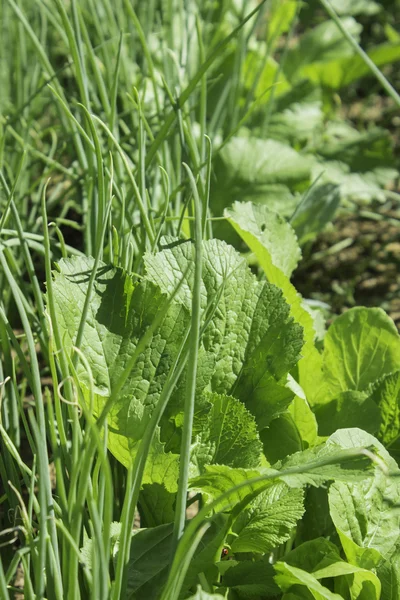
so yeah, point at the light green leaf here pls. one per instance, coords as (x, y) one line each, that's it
(248, 348)
(250, 343)
(332, 461)
(361, 346)
(363, 511)
(321, 558)
(219, 479)
(305, 421)
(335, 459)
(228, 435)
(386, 394)
(288, 576)
(241, 218)
(268, 520)
(299, 122)
(251, 162)
(274, 233)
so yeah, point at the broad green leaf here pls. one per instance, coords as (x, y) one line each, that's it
(269, 520)
(150, 558)
(248, 348)
(323, 43)
(361, 346)
(115, 324)
(219, 479)
(281, 438)
(242, 218)
(260, 74)
(274, 233)
(321, 558)
(332, 461)
(250, 580)
(250, 343)
(288, 576)
(336, 459)
(363, 511)
(386, 394)
(228, 435)
(251, 162)
(349, 409)
(305, 421)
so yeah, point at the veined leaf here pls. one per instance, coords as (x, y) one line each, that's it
(228, 435)
(268, 520)
(386, 394)
(242, 217)
(248, 347)
(321, 558)
(288, 576)
(361, 346)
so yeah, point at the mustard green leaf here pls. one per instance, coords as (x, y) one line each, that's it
(269, 520)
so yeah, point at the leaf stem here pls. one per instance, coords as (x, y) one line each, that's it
(180, 513)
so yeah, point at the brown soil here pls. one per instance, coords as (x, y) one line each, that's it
(356, 263)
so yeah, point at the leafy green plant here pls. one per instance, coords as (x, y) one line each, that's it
(174, 424)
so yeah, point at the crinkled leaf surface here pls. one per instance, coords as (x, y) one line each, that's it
(228, 435)
(386, 394)
(363, 511)
(241, 217)
(248, 347)
(338, 458)
(254, 161)
(250, 342)
(274, 233)
(268, 520)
